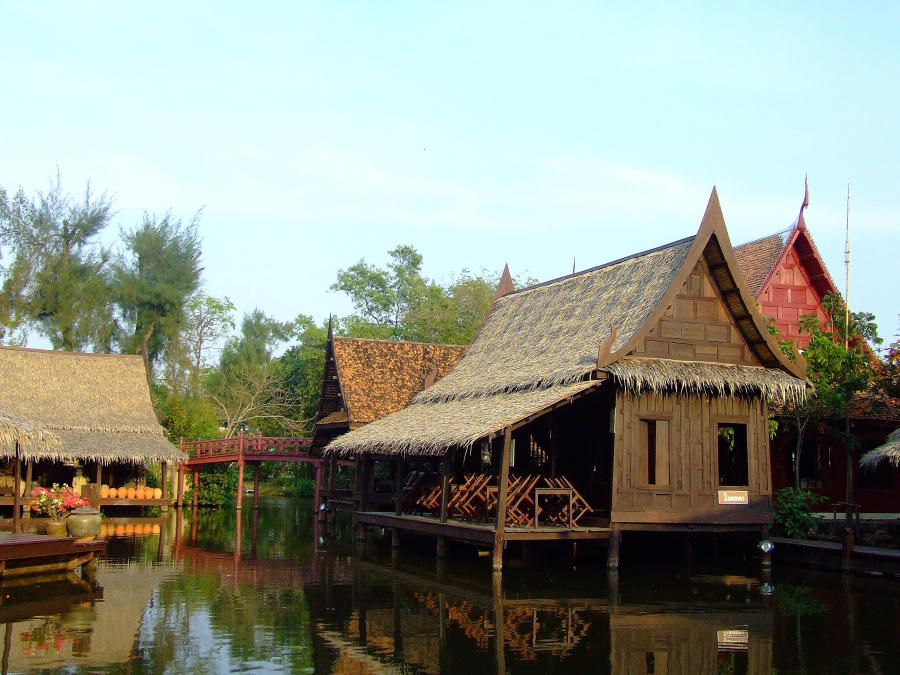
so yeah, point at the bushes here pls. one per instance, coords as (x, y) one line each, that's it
(793, 515)
(218, 485)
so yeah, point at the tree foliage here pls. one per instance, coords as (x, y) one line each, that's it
(154, 279)
(57, 280)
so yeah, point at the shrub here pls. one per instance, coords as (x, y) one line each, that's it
(793, 515)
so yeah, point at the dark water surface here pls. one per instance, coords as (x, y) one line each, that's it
(193, 601)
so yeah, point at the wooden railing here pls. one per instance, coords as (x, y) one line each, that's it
(238, 446)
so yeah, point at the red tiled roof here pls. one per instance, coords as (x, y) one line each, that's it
(379, 377)
(757, 258)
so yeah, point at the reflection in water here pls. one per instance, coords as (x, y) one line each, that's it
(201, 593)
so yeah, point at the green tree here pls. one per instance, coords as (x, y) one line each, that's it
(57, 281)
(839, 365)
(208, 321)
(249, 387)
(154, 280)
(302, 365)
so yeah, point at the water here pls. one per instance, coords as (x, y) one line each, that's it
(198, 603)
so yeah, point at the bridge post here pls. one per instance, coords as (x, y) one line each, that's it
(240, 487)
(196, 497)
(164, 473)
(256, 486)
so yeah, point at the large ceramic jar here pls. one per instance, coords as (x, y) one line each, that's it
(84, 523)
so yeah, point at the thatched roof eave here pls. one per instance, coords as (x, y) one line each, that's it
(890, 451)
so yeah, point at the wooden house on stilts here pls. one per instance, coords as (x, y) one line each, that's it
(630, 396)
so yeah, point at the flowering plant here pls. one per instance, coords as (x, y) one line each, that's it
(56, 502)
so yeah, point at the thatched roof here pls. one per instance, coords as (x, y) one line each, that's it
(30, 436)
(637, 374)
(97, 405)
(890, 451)
(539, 343)
(431, 428)
(550, 334)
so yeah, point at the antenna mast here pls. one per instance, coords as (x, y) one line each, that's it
(847, 280)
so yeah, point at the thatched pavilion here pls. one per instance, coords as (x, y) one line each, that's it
(641, 387)
(97, 406)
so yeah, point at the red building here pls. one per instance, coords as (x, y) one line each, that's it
(788, 277)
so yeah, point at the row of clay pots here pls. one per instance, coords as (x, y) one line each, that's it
(107, 492)
(122, 530)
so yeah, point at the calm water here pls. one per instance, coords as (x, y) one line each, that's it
(196, 602)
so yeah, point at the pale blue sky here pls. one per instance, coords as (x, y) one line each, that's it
(315, 134)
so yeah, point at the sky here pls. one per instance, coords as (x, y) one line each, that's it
(312, 135)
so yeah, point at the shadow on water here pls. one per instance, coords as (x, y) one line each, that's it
(206, 592)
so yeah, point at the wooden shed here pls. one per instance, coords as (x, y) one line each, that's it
(633, 395)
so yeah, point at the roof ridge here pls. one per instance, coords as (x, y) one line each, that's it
(768, 236)
(605, 265)
(399, 342)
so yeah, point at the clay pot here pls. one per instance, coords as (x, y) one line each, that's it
(113, 493)
(156, 529)
(56, 528)
(104, 491)
(120, 530)
(104, 529)
(148, 528)
(157, 493)
(84, 523)
(131, 492)
(140, 493)
(129, 529)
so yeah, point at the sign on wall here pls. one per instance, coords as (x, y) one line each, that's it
(734, 497)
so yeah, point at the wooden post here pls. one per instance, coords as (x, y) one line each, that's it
(364, 465)
(446, 468)
(502, 489)
(612, 559)
(164, 474)
(256, 486)
(26, 512)
(196, 495)
(847, 552)
(240, 489)
(398, 505)
(17, 503)
(766, 557)
(318, 496)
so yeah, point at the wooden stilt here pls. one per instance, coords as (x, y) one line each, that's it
(256, 486)
(441, 547)
(98, 479)
(26, 512)
(164, 479)
(612, 559)
(502, 489)
(766, 557)
(196, 495)
(17, 499)
(365, 468)
(240, 489)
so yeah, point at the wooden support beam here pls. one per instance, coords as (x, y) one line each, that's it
(446, 469)
(17, 487)
(502, 490)
(196, 496)
(26, 512)
(499, 638)
(398, 498)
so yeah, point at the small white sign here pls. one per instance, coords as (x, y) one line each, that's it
(734, 497)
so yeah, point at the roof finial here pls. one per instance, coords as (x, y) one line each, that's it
(505, 287)
(801, 222)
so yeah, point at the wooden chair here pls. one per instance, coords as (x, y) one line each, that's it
(579, 503)
(469, 499)
(520, 502)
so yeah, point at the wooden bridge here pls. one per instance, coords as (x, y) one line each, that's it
(245, 451)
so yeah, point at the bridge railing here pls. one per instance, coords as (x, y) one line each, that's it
(240, 445)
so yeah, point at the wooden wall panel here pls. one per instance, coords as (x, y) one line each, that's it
(689, 425)
(697, 326)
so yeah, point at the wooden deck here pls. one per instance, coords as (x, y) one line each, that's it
(23, 554)
(477, 533)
